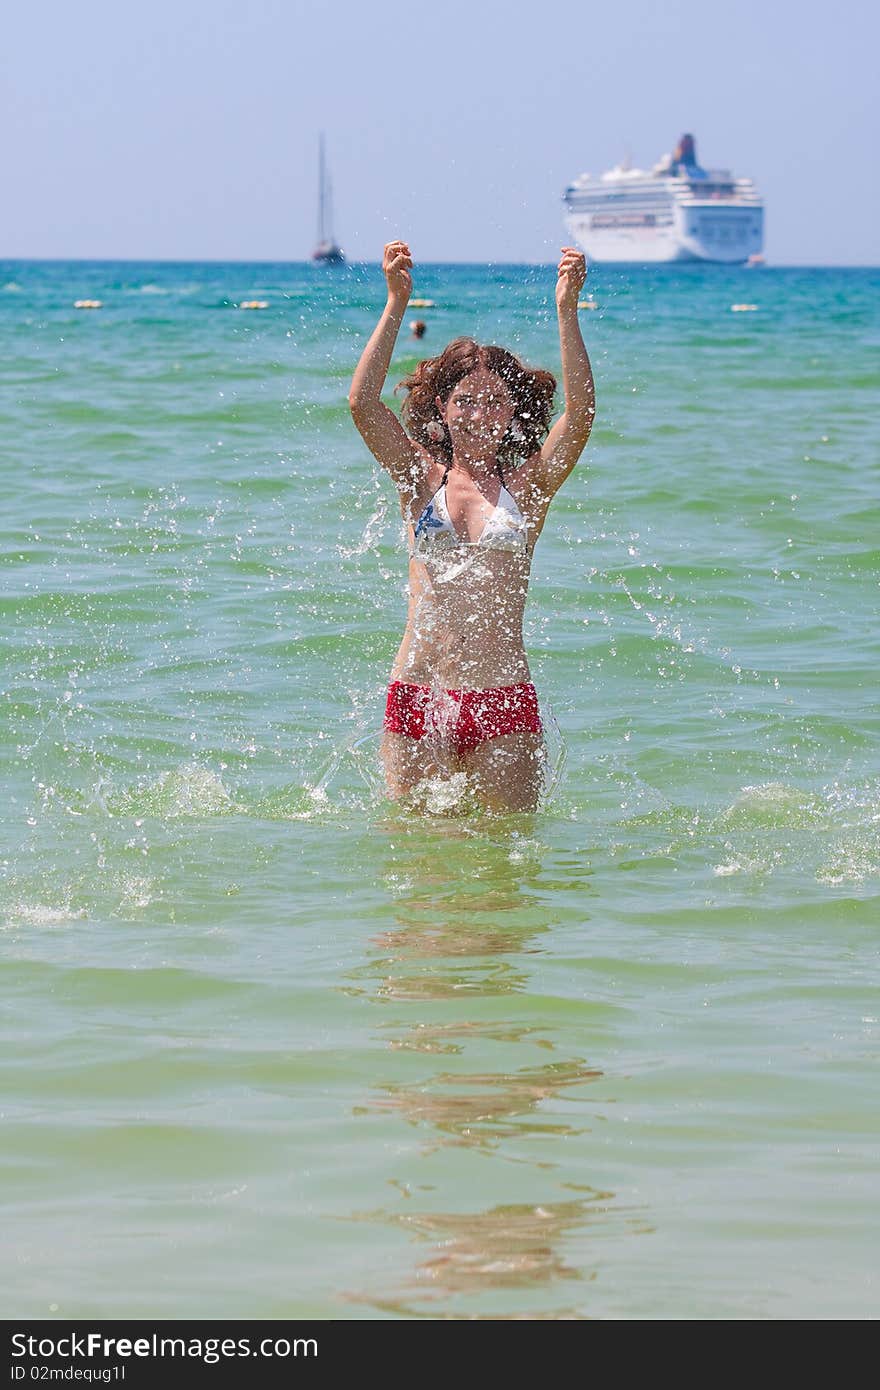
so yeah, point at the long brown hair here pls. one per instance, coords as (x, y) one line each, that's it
(531, 389)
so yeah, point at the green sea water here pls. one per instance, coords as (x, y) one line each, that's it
(272, 1048)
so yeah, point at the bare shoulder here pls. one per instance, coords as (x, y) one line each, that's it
(420, 480)
(525, 482)
(418, 485)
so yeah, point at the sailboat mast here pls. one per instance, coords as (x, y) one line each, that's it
(321, 188)
(326, 250)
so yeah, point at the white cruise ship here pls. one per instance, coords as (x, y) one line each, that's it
(677, 212)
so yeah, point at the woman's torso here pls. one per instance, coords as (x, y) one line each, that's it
(470, 560)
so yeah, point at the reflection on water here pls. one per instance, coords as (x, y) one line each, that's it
(463, 903)
(441, 1037)
(454, 893)
(473, 1254)
(417, 985)
(479, 1116)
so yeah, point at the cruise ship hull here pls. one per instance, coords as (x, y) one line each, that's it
(725, 235)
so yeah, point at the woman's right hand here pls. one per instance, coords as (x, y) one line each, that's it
(397, 264)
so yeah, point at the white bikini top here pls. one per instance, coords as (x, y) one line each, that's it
(505, 529)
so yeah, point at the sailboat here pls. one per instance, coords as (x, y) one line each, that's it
(327, 249)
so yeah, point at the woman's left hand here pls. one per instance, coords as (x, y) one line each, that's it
(572, 274)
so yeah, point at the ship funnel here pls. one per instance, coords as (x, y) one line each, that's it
(686, 151)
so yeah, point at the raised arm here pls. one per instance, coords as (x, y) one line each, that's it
(565, 443)
(382, 432)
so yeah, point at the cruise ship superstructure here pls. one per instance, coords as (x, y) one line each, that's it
(677, 212)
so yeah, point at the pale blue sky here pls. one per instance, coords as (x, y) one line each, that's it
(188, 128)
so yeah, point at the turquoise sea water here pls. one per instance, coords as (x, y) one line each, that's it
(271, 1048)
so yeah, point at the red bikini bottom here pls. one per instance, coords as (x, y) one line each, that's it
(464, 717)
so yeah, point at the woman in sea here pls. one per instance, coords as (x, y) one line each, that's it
(476, 473)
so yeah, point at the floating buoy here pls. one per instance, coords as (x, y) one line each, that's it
(421, 304)
(254, 304)
(88, 304)
(742, 308)
(587, 304)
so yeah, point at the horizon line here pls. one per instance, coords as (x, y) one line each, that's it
(262, 260)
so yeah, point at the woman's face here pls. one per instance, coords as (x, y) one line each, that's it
(478, 411)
